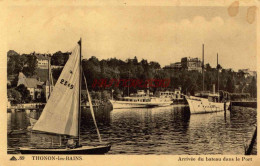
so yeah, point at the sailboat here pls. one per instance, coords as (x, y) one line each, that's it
(200, 104)
(61, 114)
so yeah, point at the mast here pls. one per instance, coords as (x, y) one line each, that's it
(218, 72)
(49, 78)
(203, 67)
(80, 73)
(128, 82)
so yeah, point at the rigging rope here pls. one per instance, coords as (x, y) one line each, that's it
(91, 109)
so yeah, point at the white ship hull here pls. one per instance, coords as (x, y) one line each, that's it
(130, 104)
(202, 105)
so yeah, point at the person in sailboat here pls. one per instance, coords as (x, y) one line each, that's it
(71, 144)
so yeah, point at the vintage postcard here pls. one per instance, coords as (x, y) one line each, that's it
(129, 83)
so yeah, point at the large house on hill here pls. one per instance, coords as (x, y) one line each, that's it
(32, 84)
(190, 64)
(42, 66)
(187, 63)
(42, 61)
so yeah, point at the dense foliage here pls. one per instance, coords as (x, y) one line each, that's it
(93, 68)
(26, 63)
(19, 94)
(189, 81)
(59, 58)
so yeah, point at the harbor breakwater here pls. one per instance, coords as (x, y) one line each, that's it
(252, 104)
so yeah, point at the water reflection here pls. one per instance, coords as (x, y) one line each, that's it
(166, 130)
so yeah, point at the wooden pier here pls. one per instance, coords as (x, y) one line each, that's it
(252, 104)
(22, 107)
(39, 107)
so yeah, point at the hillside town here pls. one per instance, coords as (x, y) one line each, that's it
(31, 77)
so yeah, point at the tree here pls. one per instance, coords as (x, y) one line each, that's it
(59, 58)
(105, 95)
(10, 67)
(56, 73)
(95, 95)
(252, 87)
(208, 67)
(155, 65)
(94, 60)
(26, 63)
(230, 85)
(14, 95)
(15, 64)
(144, 62)
(21, 62)
(117, 94)
(26, 97)
(12, 57)
(135, 61)
(31, 66)
(103, 66)
(219, 67)
(41, 99)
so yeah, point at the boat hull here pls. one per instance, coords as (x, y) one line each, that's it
(199, 105)
(125, 104)
(68, 151)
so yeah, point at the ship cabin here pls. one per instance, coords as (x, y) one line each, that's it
(141, 93)
(203, 94)
(214, 97)
(174, 95)
(136, 99)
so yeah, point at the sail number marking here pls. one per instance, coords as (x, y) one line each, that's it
(65, 83)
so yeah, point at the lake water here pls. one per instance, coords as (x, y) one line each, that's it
(165, 130)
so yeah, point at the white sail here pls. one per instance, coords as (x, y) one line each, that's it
(60, 115)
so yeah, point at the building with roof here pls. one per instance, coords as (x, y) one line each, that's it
(187, 63)
(248, 72)
(175, 66)
(191, 64)
(42, 61)
(32, 84)
(175, 95)
(47, 89)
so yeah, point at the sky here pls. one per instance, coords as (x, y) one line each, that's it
(157, 33)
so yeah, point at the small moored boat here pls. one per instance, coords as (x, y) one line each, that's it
(139, 102)
(200, 105)
(207, 102)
